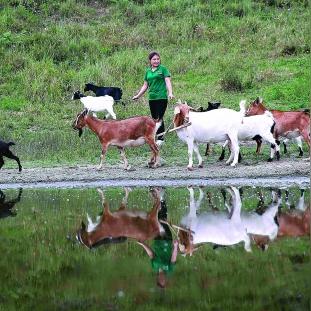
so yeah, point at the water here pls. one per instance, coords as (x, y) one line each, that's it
(217, 247)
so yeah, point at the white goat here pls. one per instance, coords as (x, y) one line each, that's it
(97, 104)
(258, 127)
(211, 126)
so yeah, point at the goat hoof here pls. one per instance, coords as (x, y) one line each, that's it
(277, 155)
(270, 160)
(189, 168)
(200, 166)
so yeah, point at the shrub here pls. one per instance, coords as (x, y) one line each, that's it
(231, 82)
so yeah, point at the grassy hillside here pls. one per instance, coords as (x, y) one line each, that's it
(215, 50)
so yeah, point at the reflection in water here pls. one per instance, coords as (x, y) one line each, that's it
(6, 206)
(217, 227)
(163, 252)
(234, 226)
(139, 226)
(295, 221)
(42, 266)
(135, 224)
(226, 223)
(292, 222)
(263, 225)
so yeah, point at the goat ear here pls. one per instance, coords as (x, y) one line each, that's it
(258, 101)
(176, 110)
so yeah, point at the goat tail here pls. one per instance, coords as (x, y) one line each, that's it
(242, 108)
(11, 143)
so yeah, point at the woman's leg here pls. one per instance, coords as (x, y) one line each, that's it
(157, 109)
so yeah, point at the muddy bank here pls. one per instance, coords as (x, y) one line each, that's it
(285, 169)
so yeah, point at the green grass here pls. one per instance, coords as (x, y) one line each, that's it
(216, 50)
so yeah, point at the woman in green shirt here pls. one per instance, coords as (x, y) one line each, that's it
(158, 80)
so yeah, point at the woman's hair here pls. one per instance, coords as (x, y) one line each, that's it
(152, 54)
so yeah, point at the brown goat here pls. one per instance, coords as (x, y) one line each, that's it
(289, 124)
(130, 132)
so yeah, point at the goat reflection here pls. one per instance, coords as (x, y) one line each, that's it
(122, 224)
(296, 221)
(221, 228)
(293, 221)
(228, 228)
(6, 206)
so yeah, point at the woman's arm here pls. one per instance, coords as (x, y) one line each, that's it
(141, 91)
(169, 87)
(175, 251)
(147, 249)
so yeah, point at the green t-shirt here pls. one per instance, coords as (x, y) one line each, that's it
(156, 82)
(162, 256)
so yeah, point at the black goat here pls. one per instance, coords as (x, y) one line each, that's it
(211, 106)
(6, 152)
(112, 91)
(7, 206)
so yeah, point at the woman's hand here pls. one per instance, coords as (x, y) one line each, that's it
(175, 243)
(170, 96)
(141, 91)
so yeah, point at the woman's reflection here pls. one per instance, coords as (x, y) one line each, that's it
(163, 252)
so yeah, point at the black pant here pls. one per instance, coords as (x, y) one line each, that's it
(162, 215)
(157, 109)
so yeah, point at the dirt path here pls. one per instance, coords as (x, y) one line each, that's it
(218, 170)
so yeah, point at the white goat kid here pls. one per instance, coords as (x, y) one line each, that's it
(260, 126)
(97, 104)
(209, 127)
